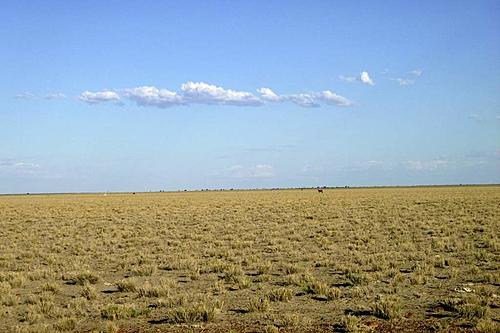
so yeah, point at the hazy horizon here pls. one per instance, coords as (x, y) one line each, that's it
(122, 97)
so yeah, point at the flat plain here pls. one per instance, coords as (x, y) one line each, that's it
(345, 260)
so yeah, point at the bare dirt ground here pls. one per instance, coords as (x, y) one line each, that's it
(346, 260)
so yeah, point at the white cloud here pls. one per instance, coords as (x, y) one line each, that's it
(330, 97)
(348, 78)
(204, 93)
(416, 72)
(305, 100)
(312, 99)
(55, 95)
(152, 96)
(99, 97)
(269, 95)
(365, 78)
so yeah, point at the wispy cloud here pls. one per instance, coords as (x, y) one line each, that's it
(408, 81)
(12, 166)
(416, 72)
(314, 99)
(247, 172)
(31, 96)
(363, 77)
(272, 149)
(476, 117)
(403, 82)
(348, 78)
(481, 117)
(208, 94)
(99, 97)
(25, 96)
(311, 99)
(366, 79)
(55, 95)
(426, 165)
(8, 163)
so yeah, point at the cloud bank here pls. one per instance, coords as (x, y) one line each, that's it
(208, 94)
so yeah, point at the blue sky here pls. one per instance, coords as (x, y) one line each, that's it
(150, 95)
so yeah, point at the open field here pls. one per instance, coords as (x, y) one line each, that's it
(393, 259)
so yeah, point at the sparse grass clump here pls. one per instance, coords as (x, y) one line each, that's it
(66, 324)
(271, 329)
(122, 311)
(34, 328)
(312, 286)
(293, 269)
(143, 270)
(89, 292)
(470, 308)
(487, 326)
(357, 278)
(160, 289)
(82, 277)
(232, 273)
(243, 282)
(7, 297)
(219, 288)
(171, 301)
(15, 279)
(191, 314)
(127, 285)
(50, 287)
(264, 268)
(386, 307)
(280, 295)
(293, 321)
(353, 324)
(258, 305)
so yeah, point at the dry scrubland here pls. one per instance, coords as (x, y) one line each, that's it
(252, 261)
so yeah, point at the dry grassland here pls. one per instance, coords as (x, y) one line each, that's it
(395, 259)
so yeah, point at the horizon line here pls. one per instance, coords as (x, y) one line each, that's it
(254, 189)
